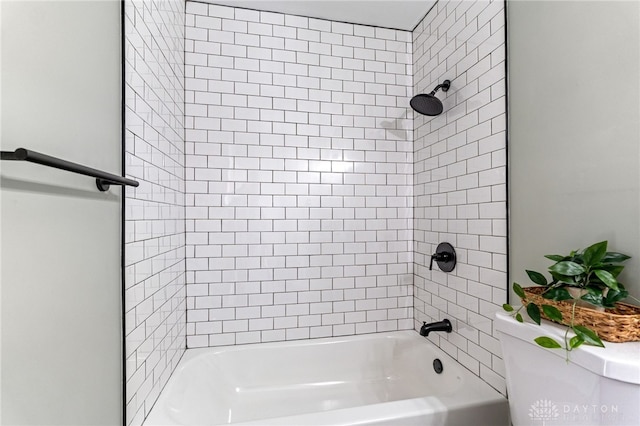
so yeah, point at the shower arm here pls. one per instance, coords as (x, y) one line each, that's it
(444, 86)
(433, 92)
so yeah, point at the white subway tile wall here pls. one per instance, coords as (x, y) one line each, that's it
(155, 305)
(310, 210)
(299, 177)
(460, 179)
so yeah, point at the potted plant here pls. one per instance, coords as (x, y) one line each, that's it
(583, 294)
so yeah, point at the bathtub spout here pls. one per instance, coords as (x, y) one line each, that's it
(444, 325)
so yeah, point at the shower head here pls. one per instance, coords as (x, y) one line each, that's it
(428, 104)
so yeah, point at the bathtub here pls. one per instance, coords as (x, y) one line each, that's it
(374, 379)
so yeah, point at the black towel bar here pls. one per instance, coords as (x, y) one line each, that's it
(103, 179)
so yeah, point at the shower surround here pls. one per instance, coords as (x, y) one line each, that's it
(460, 193)
(299, 175)
(288, 191)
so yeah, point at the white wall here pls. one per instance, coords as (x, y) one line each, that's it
(61, 284)
(299, 177)
(574, 110)
(460, 180)
(155, 309)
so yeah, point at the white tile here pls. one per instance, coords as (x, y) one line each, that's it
(207, 22)
(221, 11)
(196, 8)
(272, 18)
(234, 50)
(247, 15)
(296, 21)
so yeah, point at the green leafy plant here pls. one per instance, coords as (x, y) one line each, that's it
(593, 270)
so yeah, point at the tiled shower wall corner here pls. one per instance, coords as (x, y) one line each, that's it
(460, 179)
(155, 309)
(299, 177)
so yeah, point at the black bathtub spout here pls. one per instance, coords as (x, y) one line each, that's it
(444, 325)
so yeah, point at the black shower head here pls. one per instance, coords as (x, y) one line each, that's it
(429, 104)
(426, 104)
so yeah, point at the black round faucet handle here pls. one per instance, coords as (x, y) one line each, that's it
(445, 257)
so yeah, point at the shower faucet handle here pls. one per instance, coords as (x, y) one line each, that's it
(439, 257)
(445, 257)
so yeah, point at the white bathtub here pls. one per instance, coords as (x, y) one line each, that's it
(381, 379)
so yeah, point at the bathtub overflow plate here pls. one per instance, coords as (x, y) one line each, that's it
(437, 366)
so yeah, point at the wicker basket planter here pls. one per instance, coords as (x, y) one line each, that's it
(620, 324)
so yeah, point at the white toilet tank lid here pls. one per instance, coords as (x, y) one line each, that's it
(618, 361)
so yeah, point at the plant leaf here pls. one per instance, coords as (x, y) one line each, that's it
(608, 279)
(552, 313)
(519, 318)
(534, 312)
(612, 269)
(568, 268)
(547, 342)
(518, 290)
(594, 254)
(577, 257)
(556, 257)
(613, 257)
(537, 277)
(562, 278)
(593, 297)
(614, 296)
(575, 342)
(507, 307)
(589, 336)
(557, 294)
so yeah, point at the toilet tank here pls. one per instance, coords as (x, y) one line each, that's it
(597, 386)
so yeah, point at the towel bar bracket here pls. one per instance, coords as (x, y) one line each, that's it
(103, 185)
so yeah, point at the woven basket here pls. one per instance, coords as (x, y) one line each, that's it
(619, 324)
